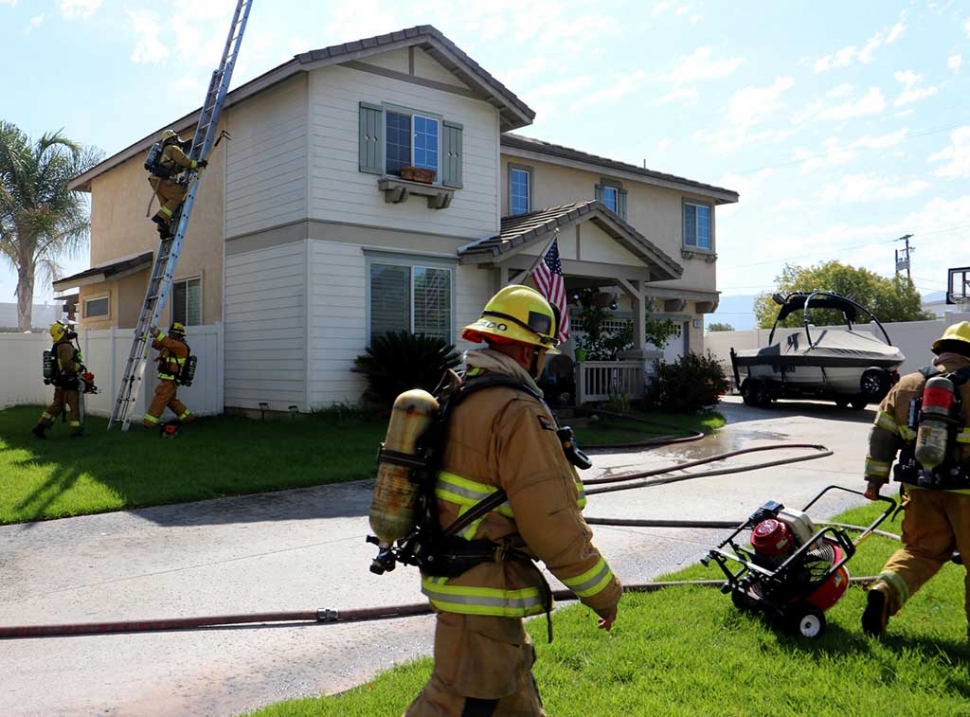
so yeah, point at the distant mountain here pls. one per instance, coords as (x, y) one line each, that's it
(736, 310)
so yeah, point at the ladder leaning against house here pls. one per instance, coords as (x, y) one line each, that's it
(160, 282)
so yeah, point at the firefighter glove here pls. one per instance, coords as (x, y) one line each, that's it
(203, 163)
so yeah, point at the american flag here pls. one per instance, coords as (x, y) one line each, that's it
(548, 278)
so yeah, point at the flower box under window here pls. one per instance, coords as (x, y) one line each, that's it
(418, 174)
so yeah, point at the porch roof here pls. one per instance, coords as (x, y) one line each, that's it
(525, 229)
(116, 269)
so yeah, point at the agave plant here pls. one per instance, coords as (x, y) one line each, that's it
(397, 361)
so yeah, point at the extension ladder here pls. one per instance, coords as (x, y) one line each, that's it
(160, 282)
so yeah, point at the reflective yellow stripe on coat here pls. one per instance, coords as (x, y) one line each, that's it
(468, 600)
(471, 600)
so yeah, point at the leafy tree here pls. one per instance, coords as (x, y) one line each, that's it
(40, 219)
(894, 299)
(718, 326)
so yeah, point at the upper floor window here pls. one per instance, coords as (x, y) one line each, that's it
(392, 137)
(697, 226)
(612, 195)
(187, 302)
(410, 297)
(96, 308)
(520, 190)
(412, 141)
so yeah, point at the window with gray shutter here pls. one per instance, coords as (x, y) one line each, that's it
(621, 210)
(451, 144)
(371, 142)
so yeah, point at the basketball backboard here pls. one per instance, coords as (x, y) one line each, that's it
(958, 285)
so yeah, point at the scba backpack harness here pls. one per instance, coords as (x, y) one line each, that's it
(936, 418)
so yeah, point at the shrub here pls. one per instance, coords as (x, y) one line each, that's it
(689, 384)
(397, 361)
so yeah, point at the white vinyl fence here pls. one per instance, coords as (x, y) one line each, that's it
(913, 338)
(105, 353)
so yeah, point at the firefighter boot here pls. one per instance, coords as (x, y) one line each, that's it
(164, 231)
(876, 615)
(38, 430)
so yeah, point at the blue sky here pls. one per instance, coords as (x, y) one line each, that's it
(843, 125)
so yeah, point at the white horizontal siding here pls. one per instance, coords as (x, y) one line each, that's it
(340, 192)
(473, 288)
(265, 317)
(338, 322)
(266, 159)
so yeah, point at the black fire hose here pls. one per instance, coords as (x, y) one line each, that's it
(822, 452)
(322, 615)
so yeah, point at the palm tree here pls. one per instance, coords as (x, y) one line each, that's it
(40, 218)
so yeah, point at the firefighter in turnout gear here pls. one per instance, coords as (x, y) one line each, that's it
(503, 438)
(925, 419)
(67, 368)
(165, 180)
(172, 355)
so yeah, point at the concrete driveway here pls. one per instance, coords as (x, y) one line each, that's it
(305, 549)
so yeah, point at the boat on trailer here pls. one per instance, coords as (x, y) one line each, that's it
(852, 368)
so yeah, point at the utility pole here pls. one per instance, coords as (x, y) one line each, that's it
(902, 255)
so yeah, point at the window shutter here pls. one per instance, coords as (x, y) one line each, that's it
(371, 142)
(598, 193)
(621, 203)
(451, 144)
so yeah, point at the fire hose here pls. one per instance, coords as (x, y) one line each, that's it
(330, 616)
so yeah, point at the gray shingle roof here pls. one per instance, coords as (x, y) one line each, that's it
(517, 141)
(434, 43)
(525, 229)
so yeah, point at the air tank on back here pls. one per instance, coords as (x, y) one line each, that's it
(939, 394)
(395, 494)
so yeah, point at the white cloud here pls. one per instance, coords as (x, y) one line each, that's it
(911, 93)
(870, 187)
(849, 54)
(748, 108)
(680, 94)
(755, 104)
(11, 3)
(873, 102)
(560, 87)
(954, 62)
(35, 22)
(624, 85)
(843, 90)
(747, 185)
(525, 69)
(664, 143)
(956, 156)
(148, 48)
(699, 66)
(883, 141)
(834, 155)
(79, 8)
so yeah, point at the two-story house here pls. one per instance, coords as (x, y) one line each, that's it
(306, 239)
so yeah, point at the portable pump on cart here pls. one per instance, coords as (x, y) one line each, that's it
(789, 570)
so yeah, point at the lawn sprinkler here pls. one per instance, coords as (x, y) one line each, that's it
(789, 570)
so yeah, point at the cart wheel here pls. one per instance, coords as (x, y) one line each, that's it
(743, 601)
(811, 623)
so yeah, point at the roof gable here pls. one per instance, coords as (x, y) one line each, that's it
(525, 230)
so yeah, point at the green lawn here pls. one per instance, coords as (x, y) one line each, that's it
(612, 430)
(211, 458)
(689, 651)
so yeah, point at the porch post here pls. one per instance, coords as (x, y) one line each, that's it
(634, 289)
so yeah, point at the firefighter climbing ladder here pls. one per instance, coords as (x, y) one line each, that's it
(160, 283)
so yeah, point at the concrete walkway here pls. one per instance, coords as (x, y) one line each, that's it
(305, 549)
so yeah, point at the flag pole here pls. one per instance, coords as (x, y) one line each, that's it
(555, 235)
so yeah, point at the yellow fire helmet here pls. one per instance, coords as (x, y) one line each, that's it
(957, 332)
(57, 331)
(517, 313)
(177, 330)
(171, 134)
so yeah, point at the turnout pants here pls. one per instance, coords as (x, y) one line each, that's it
(935, 523)
(482, 667)
(165, 397)
(64, 397)
(170, 194)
